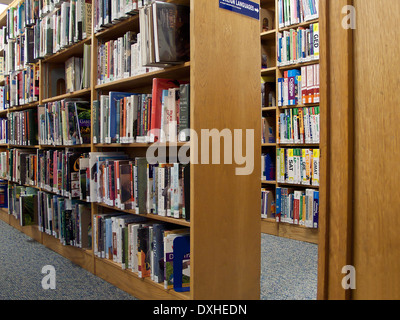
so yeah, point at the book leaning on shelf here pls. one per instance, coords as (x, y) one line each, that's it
(3, 131)
(298, 166)
(267, 204)
(64, 123)
(297, 207)
(4, 162)
(77, 71)
(165, 33)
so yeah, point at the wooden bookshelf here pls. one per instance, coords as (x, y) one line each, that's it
(268, 41)
(223, 72)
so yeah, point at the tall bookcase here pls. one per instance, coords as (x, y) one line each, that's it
(224, 227)
(270, 73)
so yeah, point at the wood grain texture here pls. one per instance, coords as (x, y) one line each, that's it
(225, 208)
(377, 150)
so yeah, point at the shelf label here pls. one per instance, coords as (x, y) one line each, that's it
(244, 7)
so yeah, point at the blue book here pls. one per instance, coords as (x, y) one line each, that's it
(158, 252)
(112, 123)
(280, 90)
(292, 79)
(278, 204)
(316, 209)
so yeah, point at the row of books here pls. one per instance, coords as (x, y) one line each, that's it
(133, 184)
(148, 249)
(23, 128)
(163, 116)
(65, 123)
(108, 13)
(165, 33)
(121, 58)
(3, 131)
(67, 220)
(298, 45)
(21, 166)
(19, 53)
(297, 11)
(58, 172)
(299, 126)
(299, 86)
(298, 166)
(77, 71)
(65, 26)
(297, 207)
(21, 87)
(267, 167)
(3, 194)
(268, 129)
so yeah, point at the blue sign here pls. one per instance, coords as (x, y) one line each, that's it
(245, 7)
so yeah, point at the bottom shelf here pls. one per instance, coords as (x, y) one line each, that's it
(143, 289)
(289, 231)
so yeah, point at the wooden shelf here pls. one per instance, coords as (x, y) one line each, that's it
(72, 51)
(298, 65)
(268, 145)
(181, 222)
(24, 107)
(268, 182)
(176, 72)
(268, 72)
(268, 35)
(301, 106)
(269, 109)
(289, 231)
(290, 185)
(295, 26)
(78, 146)
(76, 94)
(140, 145)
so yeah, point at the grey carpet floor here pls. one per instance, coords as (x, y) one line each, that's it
(289, 271)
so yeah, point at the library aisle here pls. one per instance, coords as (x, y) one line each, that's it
(288, 271)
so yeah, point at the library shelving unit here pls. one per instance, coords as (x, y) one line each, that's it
(271, 73)
(224, 226)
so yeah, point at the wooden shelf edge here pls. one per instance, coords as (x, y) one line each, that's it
(289, 231)
(75, 94)
(298, 25)
(180, 222)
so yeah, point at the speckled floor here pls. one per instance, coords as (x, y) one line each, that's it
(289, 271)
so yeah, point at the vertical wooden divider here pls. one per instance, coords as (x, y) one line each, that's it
(225, 207)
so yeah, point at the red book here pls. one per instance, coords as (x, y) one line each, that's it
(158, 86)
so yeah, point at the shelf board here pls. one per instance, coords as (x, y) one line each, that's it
(13, 146)
(295, 26)
(75, 94)
(269, 109)
(181, 222)
(268, 182)
(268, 35)
(130, 282)
(268, 145)
(298, 145)
(140, 145)
(24, 107)
(290, 185)
(121, 27)
(268, 72)
(289, 231)
(176, 72)
(298, 65)
(301, 106)
(82, 146)
(75, 49)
